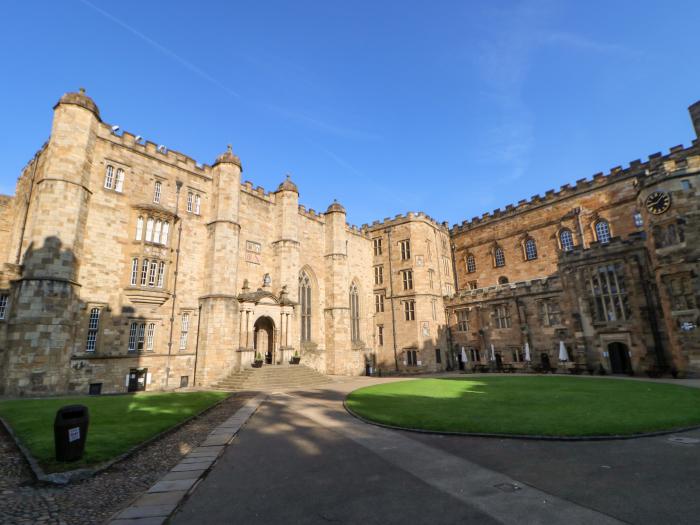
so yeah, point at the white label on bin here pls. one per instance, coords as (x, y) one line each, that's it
(73, 434)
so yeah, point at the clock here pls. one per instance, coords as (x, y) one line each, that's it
(658, 202)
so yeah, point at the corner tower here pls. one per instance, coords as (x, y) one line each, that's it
(47, 294)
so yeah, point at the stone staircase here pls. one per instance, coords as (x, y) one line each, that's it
(272, 378)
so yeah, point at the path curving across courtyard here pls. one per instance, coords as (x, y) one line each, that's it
(303, 459)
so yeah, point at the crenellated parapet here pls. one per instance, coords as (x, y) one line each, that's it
(538, 285)
(388, 222)
(657, 165)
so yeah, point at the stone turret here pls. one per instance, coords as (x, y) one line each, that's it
(286, 246)
(337, 312)
(224, 227)
(52, 252)
(219, 322)
(694, 111)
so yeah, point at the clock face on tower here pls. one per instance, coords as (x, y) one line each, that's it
(658, 202)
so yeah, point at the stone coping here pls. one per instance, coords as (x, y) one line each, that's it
(166, 495)
(70, 476)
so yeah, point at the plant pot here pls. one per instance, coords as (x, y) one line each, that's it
(257, 364)
(294, 360)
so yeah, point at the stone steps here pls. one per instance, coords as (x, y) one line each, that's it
(272, 378)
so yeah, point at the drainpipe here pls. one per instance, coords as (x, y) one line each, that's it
(391, 300)
(178, 185)
(196, 346)
(577, 211)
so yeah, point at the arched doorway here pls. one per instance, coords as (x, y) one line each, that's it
(619, 358)
(264, 338)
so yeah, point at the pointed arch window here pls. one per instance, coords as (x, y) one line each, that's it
(530, 249)
(149, 230)
(471, 263)
(354, 313)
(119, 182)
(602, 231)
(305, 306)
(566, 239)
(499, 257)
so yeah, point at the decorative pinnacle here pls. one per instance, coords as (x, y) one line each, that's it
(81, 90)
(229, 148)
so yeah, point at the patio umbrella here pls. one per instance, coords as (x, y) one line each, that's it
(493, 353)
(563, 356)
(464, 356)
(527, 351)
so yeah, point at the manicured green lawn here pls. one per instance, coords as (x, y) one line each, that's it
(552, 406)
(117, 423)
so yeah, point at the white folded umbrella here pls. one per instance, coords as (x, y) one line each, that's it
(493, 353)
(563, 356)
(527, 351)
(464, 356)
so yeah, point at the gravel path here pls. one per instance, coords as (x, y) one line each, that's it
(95, 500)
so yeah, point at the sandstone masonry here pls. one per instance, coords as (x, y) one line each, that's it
(127, 266)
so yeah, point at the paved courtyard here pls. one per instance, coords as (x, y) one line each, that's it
(302, 459)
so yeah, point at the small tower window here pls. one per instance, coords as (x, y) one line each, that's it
(499, 257)
(156, 192)
(93, 325)
(530, 250)
(471, 264)
(119, 183)
(354, 313)
(602, 231)
(109, 177)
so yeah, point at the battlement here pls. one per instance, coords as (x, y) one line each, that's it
(128, 140)
(257, 191)
(503, 291)
(403, 218)
(676, 158)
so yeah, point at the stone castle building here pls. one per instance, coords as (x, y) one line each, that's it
(125, 266)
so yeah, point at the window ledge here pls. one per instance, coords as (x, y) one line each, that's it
(147, 296)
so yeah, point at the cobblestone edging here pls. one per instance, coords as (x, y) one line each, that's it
(520, 436)
(70, 476)
(162, 499)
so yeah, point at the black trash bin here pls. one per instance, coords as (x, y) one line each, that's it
(70, 432)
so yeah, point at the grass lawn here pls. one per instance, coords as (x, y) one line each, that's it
(117, 423)
(552, 406)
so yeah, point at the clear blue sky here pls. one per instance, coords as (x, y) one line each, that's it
(452, 108)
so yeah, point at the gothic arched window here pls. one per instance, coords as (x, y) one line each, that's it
(354, 313)
(305, 306)
(602, 231)
(566, 240)
(530, 249)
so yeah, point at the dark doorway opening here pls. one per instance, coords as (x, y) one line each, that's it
(263, 340)
(137, 379)
(619, 358)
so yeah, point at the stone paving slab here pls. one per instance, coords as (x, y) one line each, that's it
(200, 465)
(145, 521)
(147, 511)
(184, 474)
(155, 506)
(160, 498)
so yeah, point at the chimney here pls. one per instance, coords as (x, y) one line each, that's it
(695, 117)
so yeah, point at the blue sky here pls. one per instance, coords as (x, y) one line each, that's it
(452, 108)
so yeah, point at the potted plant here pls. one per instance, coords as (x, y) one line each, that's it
(294, 360)
(258, 361)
